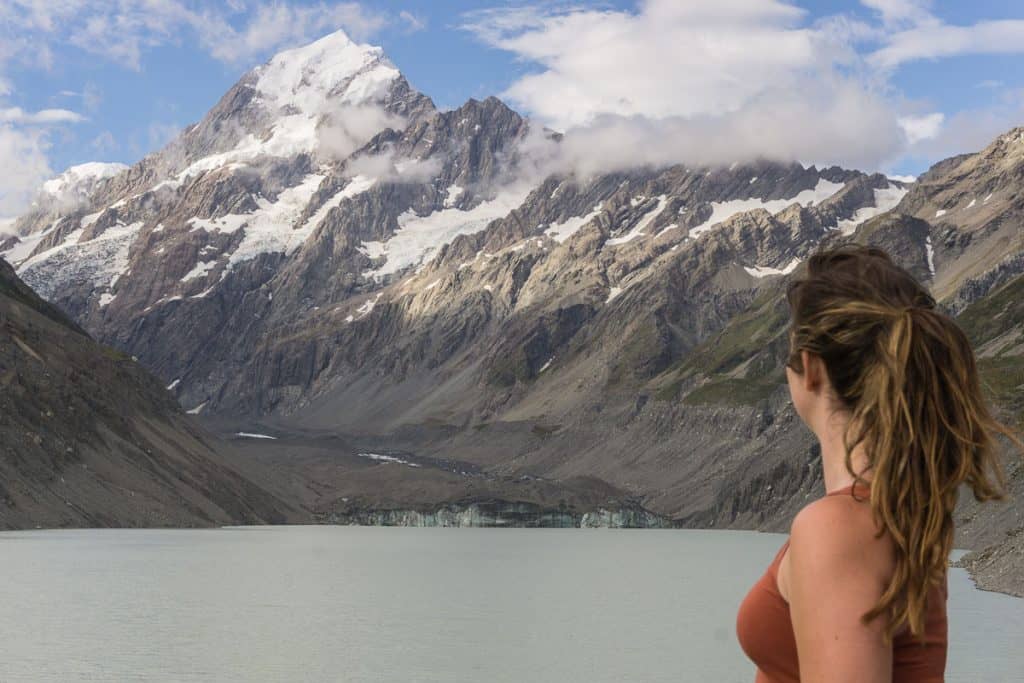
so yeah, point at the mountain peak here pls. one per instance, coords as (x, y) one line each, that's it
(333, 66)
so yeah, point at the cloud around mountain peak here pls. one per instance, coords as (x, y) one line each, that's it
(714, 81)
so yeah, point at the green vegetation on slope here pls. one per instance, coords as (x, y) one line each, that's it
(999, 313)
(752, 339)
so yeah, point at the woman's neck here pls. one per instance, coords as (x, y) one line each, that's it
(830, 431)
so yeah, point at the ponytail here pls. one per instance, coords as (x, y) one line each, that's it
(908, 376)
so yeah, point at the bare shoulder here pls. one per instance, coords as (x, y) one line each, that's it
(837, 535)
(834, 539)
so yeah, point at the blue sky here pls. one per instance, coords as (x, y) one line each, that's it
(90, 80)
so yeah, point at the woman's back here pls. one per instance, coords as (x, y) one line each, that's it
(765, 628)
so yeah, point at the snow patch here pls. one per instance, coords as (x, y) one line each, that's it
(560, 232)
(638, 229)
(90, 218)
(614, 292)
(722, 211)
(271, 228)
(973, 202)
(251, 435)
(885, 199)
(419, 237)
(930, 253)
(100, 261)
(940, 213)
(546, 365)
(198, 409)
(229, 223)
(763, 271)
(25, 246)
(386, 459)
(202, 294)
(452, 196)
(356, 186)
(367, 306)
(170, 387)
(200, 270)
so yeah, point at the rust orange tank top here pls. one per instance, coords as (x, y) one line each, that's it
(766, 634)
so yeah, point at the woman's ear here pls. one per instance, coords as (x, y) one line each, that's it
(814, 371)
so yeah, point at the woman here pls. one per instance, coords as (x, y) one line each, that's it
(888, 384)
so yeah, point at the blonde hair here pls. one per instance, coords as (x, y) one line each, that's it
(907, 374)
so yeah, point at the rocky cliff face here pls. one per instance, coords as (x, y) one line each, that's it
(326, 253)
(88, 438)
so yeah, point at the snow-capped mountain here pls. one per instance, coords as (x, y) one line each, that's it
(327, 251)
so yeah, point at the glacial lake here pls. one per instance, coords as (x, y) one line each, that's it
(319, 603)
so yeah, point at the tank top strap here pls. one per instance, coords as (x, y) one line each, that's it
(861, 489)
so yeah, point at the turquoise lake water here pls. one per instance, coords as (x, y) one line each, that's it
(321, 603)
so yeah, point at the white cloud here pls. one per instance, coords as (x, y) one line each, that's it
(413, 23)
(24, 150)
(105, 142)
(91, 96)
(898, 12)
(970, 130)
(705, 81)
(44, 116)
(273, 26)
(123, 31)
(24, 142)
(942, 40)
(920, 128)
(384, 167)
(717, 81)
(913, 32)
(671, 59)
(349, 128)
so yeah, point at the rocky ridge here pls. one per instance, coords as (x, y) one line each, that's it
(91, 439)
